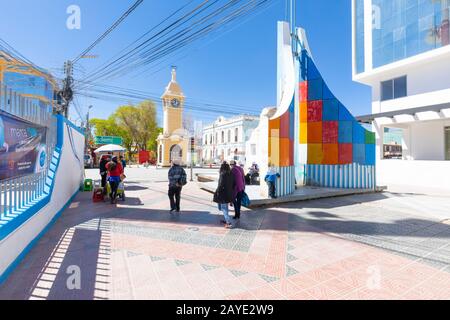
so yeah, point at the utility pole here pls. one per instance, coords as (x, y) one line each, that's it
(66, 93)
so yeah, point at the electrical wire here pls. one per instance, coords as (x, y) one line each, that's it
(108, 31)
(142, 55)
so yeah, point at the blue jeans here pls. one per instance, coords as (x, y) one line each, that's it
(224, 208)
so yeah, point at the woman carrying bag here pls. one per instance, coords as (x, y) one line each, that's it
(224, 193)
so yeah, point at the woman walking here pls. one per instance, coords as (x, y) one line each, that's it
(224, 193)
(239, 188)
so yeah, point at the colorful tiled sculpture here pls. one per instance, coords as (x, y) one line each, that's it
(315, 140)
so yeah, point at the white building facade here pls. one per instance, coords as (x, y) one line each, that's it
(226, 138)
(401, 49)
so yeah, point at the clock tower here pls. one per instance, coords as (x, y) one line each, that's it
(173, 142)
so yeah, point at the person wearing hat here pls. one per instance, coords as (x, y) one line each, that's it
(239, 188)
(177, 179)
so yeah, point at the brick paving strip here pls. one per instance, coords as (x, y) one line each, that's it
(137, 250)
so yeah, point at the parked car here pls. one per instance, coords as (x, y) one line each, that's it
(88, 161)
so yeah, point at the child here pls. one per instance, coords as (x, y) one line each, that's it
(271, 180)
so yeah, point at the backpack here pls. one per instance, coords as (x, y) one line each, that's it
(245, 200)
(183, 180)
(111, 166)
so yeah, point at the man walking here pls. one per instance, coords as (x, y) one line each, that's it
(177, 179)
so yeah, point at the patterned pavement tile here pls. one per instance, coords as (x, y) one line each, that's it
(290, 252)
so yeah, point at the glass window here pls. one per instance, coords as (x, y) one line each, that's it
(407, 28)
(447, 143)
(392, 143)
(236, 135)
(387, 90)
(400, 87)
(223, 136)
(229, 135)
(394, 89)
(359, 36)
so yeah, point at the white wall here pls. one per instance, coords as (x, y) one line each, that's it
(414, 176)
(67, 182)
(428, 141)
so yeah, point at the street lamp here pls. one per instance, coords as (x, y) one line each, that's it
(88, 128)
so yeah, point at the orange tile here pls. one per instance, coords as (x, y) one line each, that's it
(330, 153)
(314, 132)
(274, 125)
(285, 156)
(303, 112)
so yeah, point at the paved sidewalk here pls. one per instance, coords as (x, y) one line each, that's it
(136, 250)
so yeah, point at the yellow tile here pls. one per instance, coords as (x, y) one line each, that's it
(274, 152)
(303, 133)
(315, 153)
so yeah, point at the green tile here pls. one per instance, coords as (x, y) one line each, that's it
(370, 137)
(238, 273)
(268, 279)
(208, 267)
(290, 271)
(182, 262)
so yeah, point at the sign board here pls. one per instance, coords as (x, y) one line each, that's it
(22, 148)
(108, 140)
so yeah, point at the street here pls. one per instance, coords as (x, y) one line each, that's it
(376, 246)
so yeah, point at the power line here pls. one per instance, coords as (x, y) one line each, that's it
(191, 104)
(107, 32)
(116, 90)
(172, 40)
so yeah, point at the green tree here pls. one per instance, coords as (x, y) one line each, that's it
(110, 127)
(137, 125)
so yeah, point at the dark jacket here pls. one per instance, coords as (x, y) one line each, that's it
(225, 189)
(102, 165)
(177, 176)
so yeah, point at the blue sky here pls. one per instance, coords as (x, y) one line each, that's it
(237, 68)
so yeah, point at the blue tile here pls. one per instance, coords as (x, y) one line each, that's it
(359, 133)
(330, 110)
(327, 94)
(344, 114)
(303, 66)
(359, 153)
(370, 154)
(313, 73)
(315, 89)
(345, 132)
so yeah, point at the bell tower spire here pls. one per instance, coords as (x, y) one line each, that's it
(174, 74)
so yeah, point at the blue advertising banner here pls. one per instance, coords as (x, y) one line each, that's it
(22, 147)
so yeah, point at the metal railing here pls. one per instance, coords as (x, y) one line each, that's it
(24, 108)
(21, 193)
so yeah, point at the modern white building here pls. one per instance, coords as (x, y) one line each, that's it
(225, 138)
(401, 49)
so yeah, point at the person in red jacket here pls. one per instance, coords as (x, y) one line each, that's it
(115, 170)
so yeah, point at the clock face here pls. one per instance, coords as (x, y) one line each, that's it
(175, 103)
